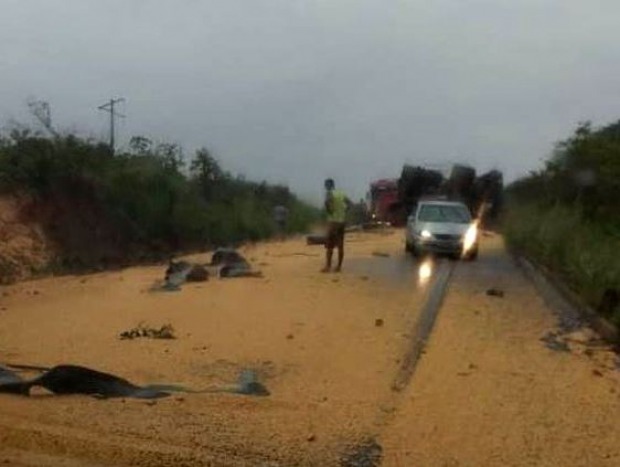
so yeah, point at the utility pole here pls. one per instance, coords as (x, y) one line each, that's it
(109, 107)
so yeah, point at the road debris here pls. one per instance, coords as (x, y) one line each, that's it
(494, 292)
(366, 454)
(74, 379)
(553, 341)
(186, 271)
(225, 263)
(231, 263)
(164, 332)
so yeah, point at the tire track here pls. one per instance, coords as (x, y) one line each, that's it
(424, 324)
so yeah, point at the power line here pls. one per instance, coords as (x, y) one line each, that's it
(109, 107)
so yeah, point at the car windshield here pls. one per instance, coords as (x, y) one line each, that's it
(444, 213)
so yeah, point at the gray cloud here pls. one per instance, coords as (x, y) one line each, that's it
(294, 91)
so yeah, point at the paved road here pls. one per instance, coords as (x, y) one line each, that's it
(485, 390)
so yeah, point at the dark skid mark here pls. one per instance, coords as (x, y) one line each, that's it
(424, 325)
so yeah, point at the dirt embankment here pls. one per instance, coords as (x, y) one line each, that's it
(62, 234)
(24, 247)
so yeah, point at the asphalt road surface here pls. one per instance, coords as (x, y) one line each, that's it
(362, 370)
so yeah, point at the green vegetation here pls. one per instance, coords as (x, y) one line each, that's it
(567, 216)
(139, 204)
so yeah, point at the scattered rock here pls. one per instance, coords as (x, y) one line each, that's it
(335, 280)
(311, 437)
(596, 372)
(494, 292)
(472, 366)
(290, 336)
(378, 322)
(364, 278)
(83, 281)
(463, 373)
(151, 403)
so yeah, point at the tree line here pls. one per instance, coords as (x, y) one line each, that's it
(567, 214)
(142, 202)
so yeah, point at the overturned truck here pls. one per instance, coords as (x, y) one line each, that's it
(415, 183)
(481, 194)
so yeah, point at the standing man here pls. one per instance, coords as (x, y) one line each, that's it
(336, 204)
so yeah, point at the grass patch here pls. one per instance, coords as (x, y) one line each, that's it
(585, 254)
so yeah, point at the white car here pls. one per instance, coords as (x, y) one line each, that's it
(444, 227)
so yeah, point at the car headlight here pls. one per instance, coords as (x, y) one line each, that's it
(425, 234)
(470, 237)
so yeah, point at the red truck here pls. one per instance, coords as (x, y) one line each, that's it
(384, 201)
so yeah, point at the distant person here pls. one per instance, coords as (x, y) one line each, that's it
(336, 204)
(280, 217)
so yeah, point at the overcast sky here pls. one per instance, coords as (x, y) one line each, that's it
(294, 91)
